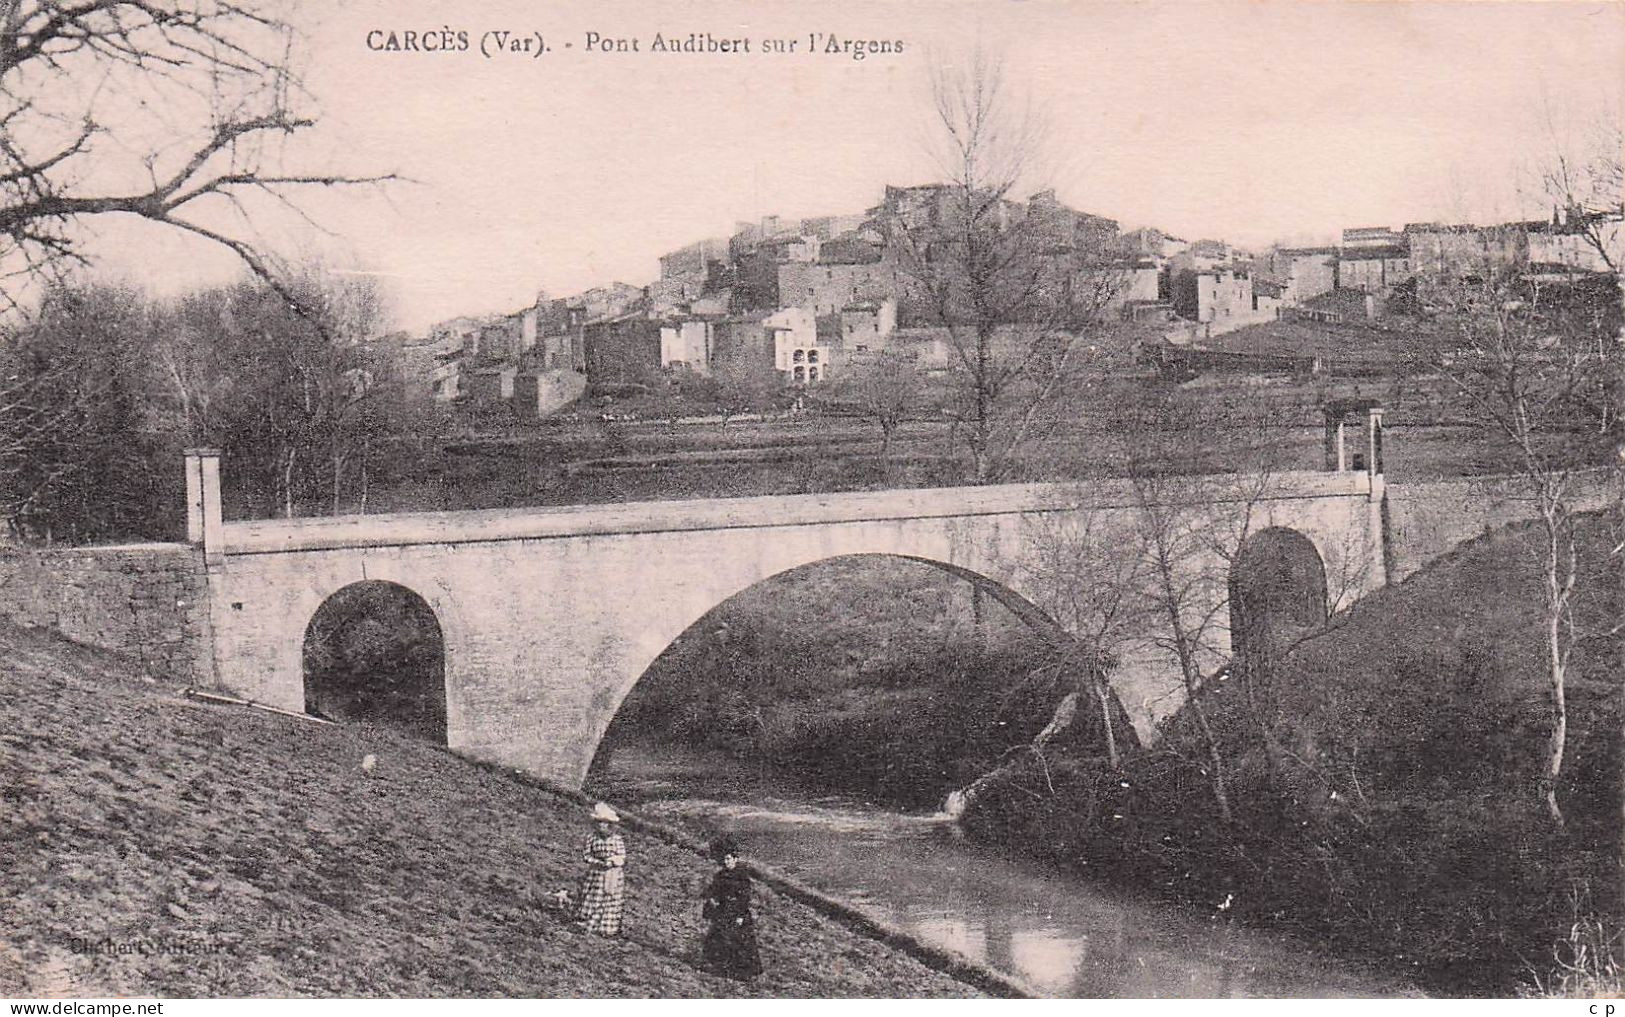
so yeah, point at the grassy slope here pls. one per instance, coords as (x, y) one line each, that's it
(1428, 711)
(131, 813)
(1444, 675)
(1404, 823)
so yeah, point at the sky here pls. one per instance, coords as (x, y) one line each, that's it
(1252, 121)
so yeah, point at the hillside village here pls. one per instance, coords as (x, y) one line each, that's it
(802, 302)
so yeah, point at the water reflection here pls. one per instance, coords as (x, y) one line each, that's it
(1058, 933)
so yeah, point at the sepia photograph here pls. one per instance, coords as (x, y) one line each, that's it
(883, 499)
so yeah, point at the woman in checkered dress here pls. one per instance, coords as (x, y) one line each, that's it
(603, 887)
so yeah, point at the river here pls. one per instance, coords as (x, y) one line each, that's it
(1057, 932)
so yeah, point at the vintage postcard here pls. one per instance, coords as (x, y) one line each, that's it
(887, 499)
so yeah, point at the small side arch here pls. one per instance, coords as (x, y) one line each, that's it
(1278, 591)
(374, 652)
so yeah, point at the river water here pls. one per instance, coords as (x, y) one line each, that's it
(1057, 932)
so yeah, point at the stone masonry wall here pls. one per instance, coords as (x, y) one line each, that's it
(148, 602)
(1429, 518)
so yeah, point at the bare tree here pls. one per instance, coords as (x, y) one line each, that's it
(1182, 587)
(1587, 182)
(77, 440)
(291, 393)
(30, 423)
(173, 111)
(1529, 362)
(1587, 186)
(1086, 569)
(1193, 532)
(738, 386)
(1017, 286)
(888, 387)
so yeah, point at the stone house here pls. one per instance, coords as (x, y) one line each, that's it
(1372, 236)
(1136, 283)
(866, 325)
(432, 368)
(491, 384)
(798, 356)
(1212, 296)
(784, 343)
(550, 335)
(1439, 253)
(756, 270)
(1150, 244)
(1301, 273)
(826, 287)
(537, 393)
(693, 261)
(1572, 239)
(625, 348)
(686, 343)
(1373, 268)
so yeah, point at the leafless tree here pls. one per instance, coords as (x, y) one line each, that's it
(1018, 286)
(76, 432)
(29, 426)
(291, 392)
(1529, 362)
(1086, 568)
(738, 387)
(888, 387)
(174, 111)
(1587, 185)
(1587, 180)
(1193, 532)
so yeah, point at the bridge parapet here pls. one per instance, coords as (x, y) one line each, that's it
(269, 536)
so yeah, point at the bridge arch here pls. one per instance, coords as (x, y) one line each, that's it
(1277, 590)
(1043, 626)
(375, 651)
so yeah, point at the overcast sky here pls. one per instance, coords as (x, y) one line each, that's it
(1251, 121)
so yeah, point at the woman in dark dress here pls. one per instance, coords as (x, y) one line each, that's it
(730, 944)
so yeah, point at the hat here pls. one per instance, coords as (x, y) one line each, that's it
(723, 846)
(604, 814)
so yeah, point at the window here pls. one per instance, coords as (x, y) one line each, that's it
(797, 357)
(801, 374)
(812, 374)
(812, 356)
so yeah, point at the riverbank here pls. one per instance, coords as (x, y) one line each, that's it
(1389, 806)
(159, 846)
(1061, 933)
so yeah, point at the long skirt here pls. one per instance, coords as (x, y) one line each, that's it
(729, 948)
(601, 894)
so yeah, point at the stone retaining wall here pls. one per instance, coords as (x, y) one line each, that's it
(148, 602)
(1426, 519)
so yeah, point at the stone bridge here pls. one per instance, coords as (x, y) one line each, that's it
(549, 616)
